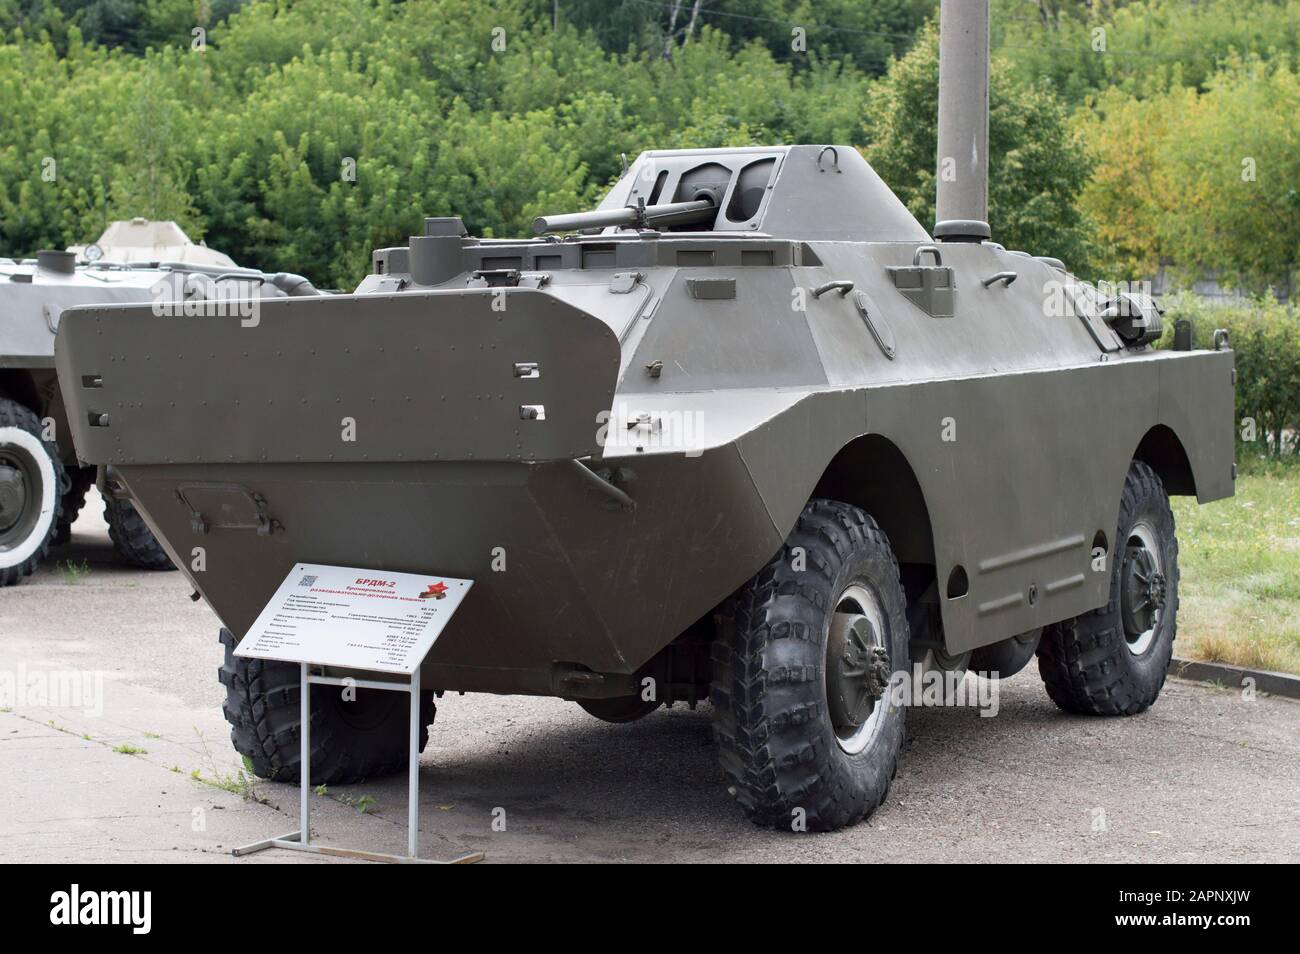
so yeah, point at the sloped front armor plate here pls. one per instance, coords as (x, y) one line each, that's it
(412, 377)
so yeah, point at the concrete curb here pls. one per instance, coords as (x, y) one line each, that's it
(1274, 683)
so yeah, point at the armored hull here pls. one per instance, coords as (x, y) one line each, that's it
(612, 432)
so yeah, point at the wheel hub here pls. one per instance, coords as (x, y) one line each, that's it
(857, 670)
(1143, 589)
(13, 496)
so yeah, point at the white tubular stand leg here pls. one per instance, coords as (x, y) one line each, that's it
(301, 840)
(304, 738)
(413, 778)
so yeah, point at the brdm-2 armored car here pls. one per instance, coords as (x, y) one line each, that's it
(746, 433)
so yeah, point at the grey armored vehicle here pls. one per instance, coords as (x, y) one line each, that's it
(747, 433)
(42, 484)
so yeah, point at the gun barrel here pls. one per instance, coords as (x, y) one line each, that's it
(573, 221)
(672, 213)
(680, 213)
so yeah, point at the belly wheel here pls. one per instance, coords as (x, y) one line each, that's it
(619, 709)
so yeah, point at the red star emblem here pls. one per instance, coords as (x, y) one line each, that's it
(436, 591)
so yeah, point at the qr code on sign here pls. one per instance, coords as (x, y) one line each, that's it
(307, 581)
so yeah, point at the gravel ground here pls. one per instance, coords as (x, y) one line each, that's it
(1205, 775)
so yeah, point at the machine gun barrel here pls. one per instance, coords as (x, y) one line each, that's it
(671, 213)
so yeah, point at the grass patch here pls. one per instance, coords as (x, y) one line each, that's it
(236, 783)
(240, 782)
(1240, 563)
(74, 571)
(127, 749)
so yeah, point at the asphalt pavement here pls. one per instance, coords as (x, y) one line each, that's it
(143, 770)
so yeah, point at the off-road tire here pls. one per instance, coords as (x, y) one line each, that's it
(350, 742)
(80, 480)
(37, 543)
(777, 745)
(1085, 662)
(132, 537)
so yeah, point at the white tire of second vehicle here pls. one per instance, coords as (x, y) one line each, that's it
(17, 437)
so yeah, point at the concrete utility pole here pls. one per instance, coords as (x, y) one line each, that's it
(962, 190)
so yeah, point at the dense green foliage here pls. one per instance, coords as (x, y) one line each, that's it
(1209, 181)
(1037, 167)
(299, 134)
(132, 25)
(1265, 339)
(1140, 47)
(304, 134)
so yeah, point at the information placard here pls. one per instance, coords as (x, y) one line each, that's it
(354, 618)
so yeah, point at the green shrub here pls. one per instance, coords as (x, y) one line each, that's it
(1265, 337)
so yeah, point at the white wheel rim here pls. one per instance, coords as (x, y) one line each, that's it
(1145, 535)
(16, 554)
(856, 601)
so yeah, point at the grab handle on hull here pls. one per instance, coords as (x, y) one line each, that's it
(1006, 278)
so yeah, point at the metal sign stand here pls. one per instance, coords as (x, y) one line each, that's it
(300, 840)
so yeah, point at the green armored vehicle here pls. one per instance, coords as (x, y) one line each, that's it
(42, 484)
(746, 433)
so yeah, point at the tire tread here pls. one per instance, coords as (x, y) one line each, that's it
(771, 763)
(1077, 657)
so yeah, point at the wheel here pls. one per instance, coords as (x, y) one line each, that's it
(936, 659)
(1004, 659)
(350, 741)
(80, 480)
(31, 485)
(1113, 660)
(620, 709)
(133, 538)
(801, 672)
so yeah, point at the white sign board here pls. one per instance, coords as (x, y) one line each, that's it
(353, 618)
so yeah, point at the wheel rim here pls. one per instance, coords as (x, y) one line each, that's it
(857, 668)
(1142, 588)
(26, 495)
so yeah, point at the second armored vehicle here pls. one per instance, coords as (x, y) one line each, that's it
(42, 484)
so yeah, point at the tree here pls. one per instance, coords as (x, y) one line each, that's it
(150, 181)
(1037, 164)
(1126, 196)
(1140, 46)
(1203, 183)
(868, 32)
(1234, 172)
